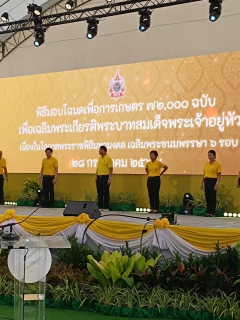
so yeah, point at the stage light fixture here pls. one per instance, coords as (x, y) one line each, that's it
(137, 209)
(4, 17)
(188, 204)
(230, 214)
(37, 11)
(34, 9)
(225, 214)
(69, 5)
(92, 28)
(238, 215)
(31, 7)
(39, 38)
(215, 9)
(145, 20)
(234, 215)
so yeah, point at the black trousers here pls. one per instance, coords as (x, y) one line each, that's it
(48, 191)
(153, 185)
(1, 189)
(210, 194)
(103, 191)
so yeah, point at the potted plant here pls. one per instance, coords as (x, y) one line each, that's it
(28, 196)
(123, 201)
(90, 196)
(199, 203)
(169, 202)
(60, 199)
(224, 201)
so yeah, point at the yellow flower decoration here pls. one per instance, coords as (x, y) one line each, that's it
(83, 218)
(9, 214)
(160, 224)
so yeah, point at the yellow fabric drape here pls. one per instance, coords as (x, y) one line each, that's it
(200, 237)
(205, 238)
(46, 226)
(118, 230)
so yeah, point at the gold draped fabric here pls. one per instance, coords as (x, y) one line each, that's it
(200, 237)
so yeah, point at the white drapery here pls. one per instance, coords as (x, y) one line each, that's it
(164, 239)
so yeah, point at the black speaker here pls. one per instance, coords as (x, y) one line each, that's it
(75, 208)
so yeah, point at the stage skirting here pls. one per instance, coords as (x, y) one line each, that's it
(113, 234)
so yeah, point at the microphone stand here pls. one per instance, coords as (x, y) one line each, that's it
(11, 236)
(143, 231)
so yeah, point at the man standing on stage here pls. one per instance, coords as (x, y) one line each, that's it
(3, 169)
(48, 177)
(103, 178)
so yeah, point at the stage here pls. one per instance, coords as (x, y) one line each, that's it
(192, 234)
(182, 220)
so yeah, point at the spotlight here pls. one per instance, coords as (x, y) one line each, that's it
(39, 197)
(69, 5)
(37, 11)
(225, 214)
(141, 209)
(148, 209)
(92, 28)
(39, 38)
(188, 204)
(137, 209)
(230, 214)
(31, 7)
(145, 20)
(234, 215)
(215, 9)
(4, 17)
(34, 9)
(238, 215)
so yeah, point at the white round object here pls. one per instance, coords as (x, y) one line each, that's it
(38, 260)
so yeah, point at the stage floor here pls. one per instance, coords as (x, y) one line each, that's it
(183, 220)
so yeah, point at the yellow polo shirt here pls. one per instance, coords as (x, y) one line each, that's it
(49, 166)
(154, 168)
(3, 164)
(212, 169)
(104, 164)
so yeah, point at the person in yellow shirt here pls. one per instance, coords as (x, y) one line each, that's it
(48, 178)
(3, 170)
(103, 178)
(210, 182)
(153, 170)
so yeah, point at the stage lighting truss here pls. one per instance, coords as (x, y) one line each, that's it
(145, 20)
(215, 9)
(106, 10)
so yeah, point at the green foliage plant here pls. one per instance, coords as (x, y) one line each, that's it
(76, 255)
(116, 269)
(123, 197)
